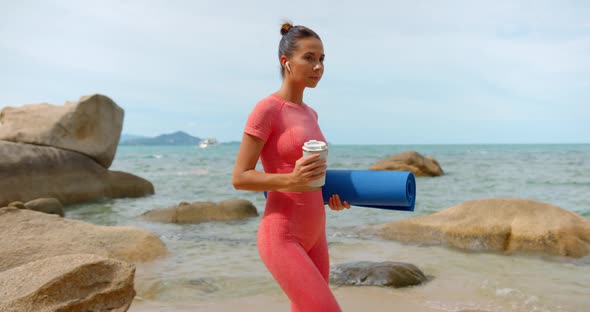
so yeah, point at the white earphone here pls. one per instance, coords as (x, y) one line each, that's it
(287, 65)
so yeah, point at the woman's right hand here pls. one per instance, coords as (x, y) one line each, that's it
(307, 169)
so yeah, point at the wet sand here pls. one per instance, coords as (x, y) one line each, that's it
(458, 281)
(374, 299)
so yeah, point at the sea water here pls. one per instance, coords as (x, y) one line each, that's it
(214, 261)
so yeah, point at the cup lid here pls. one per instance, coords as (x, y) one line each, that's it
(314, 146)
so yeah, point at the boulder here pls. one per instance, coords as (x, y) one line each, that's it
(365, 273)
(30, 235)
(237, 209)
(46, 205)
(233, 209)
(410, 161)
(92, 126)
(31, 171)
(77, 282)
(499, 224)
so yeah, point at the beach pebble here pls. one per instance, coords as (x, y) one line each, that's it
(17, 204)
(47, 205)
(75, 282)
(204, 284)
(412, 161)
(365, 273)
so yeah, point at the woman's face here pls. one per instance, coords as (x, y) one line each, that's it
(307, 62)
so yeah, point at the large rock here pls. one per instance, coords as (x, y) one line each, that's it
(410, 161)
(365, 273)
(92, 126)
(29, 236)
(31, 171)
(78, 282)
(232, 209)
(508, 225)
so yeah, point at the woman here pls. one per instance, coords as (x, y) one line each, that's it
(292, 236)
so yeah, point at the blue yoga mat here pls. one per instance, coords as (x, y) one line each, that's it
(394, 190)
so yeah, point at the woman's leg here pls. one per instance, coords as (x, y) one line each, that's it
(299, 278)
(320, 257)
(292, 244)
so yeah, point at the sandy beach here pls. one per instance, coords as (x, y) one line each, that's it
(373, 299)
(458, 281)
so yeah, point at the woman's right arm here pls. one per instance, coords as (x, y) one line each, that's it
(246, 177)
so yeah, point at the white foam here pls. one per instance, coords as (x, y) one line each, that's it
(504, 291)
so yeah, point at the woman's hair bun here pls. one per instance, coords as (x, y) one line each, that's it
(285, 27)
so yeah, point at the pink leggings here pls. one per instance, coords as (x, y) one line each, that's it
(292, 244)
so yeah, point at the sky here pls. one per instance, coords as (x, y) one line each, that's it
(396, 72)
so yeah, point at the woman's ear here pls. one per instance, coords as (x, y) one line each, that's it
(285, 63)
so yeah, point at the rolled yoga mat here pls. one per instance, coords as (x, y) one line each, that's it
(393, 190)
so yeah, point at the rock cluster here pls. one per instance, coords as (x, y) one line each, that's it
(53, 155)
(64, 152)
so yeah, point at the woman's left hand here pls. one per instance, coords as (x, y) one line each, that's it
(336, 204)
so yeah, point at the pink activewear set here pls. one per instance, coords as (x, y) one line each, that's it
(292, 234)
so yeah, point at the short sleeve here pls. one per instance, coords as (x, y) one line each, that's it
(314, 113)
(259, 123)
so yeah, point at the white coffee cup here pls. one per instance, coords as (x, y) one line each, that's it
(316, 147)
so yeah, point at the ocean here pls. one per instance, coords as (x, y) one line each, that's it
(214, 261)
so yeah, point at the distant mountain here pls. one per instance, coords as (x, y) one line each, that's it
(176, 138)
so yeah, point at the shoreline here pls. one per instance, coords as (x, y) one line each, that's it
(458, 281)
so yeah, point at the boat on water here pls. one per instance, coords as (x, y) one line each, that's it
(208, 142)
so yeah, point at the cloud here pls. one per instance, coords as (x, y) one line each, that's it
(212, 60)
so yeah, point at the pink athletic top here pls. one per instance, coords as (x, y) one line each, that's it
(285, 126)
